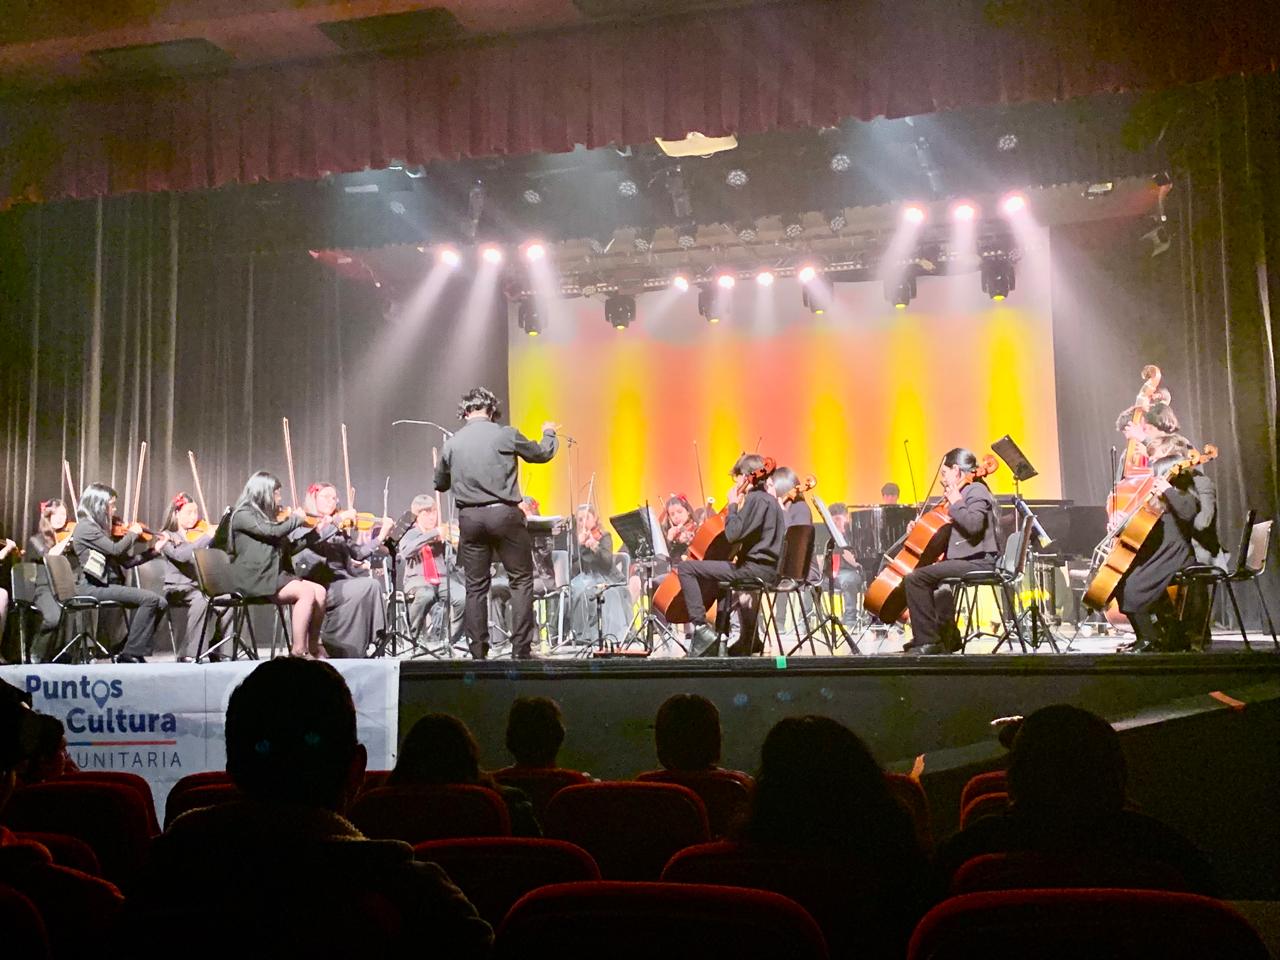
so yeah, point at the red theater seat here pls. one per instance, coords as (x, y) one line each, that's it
(374, 779)
(66, 851)
(495, 872)
(993, 781)
(197, 780)
(631, 829)
(657, 921)
(131, 780)
(1057, 924)
(908, 792)
(24, 933)
(725, 793)
(984, 805)
(1027, 870)
(109, 817)
(193, 798)
(418, 813)
(540, 784)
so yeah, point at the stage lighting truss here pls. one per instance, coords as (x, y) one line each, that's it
(620, 310)
(529, 319)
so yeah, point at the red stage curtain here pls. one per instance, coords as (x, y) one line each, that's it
(745, 71)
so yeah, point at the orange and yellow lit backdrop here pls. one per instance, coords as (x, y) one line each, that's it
(833, 395)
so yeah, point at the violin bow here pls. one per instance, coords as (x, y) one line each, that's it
(288, 455)
(71, 487)
(195, 477)
(697, 458)
(346, 469)
(137, 482)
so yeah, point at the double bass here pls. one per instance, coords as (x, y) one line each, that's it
(709, 543)
(1135, 473)
(925, 543)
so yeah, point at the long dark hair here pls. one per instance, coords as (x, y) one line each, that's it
(171, 514)
(966, 460)
(95, 501)
(439, 749)
(45, 528)
(260, 493)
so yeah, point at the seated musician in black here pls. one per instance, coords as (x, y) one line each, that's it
(973, 545)
(756, 524)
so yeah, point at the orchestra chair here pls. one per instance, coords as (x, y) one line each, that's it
(725, 793)
(984, 805)
(793, 569)
(83, 645)
(1031, 869)
(24, 581)
(1050, 924)
(149, 576)
(24, 932)
(540, 783)
(137, 784)
(992, 781)
(560, 593)
(193, 798)
(909, 792)
(1251, 564)
(495, 872)
(631, 829)
(109, 817)
(66, 851)
(417, 813)
(1000, 580)
(641, 921)
(213, 573)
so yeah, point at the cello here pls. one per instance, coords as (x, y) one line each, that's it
(709, 543)
(925, 543)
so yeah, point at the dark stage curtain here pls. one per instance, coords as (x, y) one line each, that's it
(1205, 310)
(137, 318)
(782, 66)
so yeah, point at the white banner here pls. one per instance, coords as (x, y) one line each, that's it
(165, 720)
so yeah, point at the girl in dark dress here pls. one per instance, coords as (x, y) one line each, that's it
(593, 571)
(257, 542)
(183, 532)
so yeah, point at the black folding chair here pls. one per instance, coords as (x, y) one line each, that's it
(83, 645)
(1251, 564)
(213, 573)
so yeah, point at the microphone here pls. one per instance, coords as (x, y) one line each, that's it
(425, 423)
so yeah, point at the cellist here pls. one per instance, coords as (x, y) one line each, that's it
(972, 545)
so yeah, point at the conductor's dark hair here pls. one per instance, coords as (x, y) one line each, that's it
(686, 732)
(260, 493)
(479, 400)
(94, 501)
(1162, 417)
(535, 731)
(890, 489)
(966, 460)
(291, 733)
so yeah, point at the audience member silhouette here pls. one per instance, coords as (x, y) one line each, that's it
(1067, 781)
(686, 732)
(77, 909)
(535, 732)
(439, 750)
(282, 872)
(49, 759)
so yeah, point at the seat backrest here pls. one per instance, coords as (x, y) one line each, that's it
(131, 780)
(992, 781)
(1059, 923)
(196, 780)
(1030, 869)
(1013, 556)
(630, 828)
(1255, 562)
(24, 932)
(193, 798)
(495, 872)
(540, 784)
(909, 792)
(560, 565)
(67, 851)
(629, 921)
(374, 779)
(984, 805)
(24, 580)
(213, 571)
(725, 793)
(110, 817)
(418, 813)
(62, 579)
(797, 552)
(1242, 549)
(150, 575)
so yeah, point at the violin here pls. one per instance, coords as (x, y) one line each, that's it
(709, 543)
(200, 530)
(925, 543)
(60, 535)
(119, 528)
(362, 521)
(310, 519)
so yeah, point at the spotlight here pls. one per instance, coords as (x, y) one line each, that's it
(422, 248)
(707, 304)
(534, 251)
(792, 226)
(643, 239)
(963, 211)
(687, 236)
(1013, 204)
(811, 303)
(807, 273)
(746, 231)
(737, 178)
(529, 319)
(913, 213)
(765, 278)
(725, 281)
(1007, 142)
(620, 310)
(997, 277)
(397, 208)
(680, 282)
(491, 253)
(601, 243)
(901, 293)
(837, 221)
(448, 256)
(628, 188)
(840, 162)
(532, 197)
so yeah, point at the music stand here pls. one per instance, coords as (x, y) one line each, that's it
(1015, 460)
(641, 531)
(398, 636)
(829, 625)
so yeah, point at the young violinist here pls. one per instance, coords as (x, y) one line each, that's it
(7, 550)
(104, 557)
(796, 512)
(257, 542)
(52, 536)
(181, 535)
(330, 555)
(848, 571)
(1154, 423)
(973, 544)
(53, 531)
(678, 525)
(422, 550)
(756, 524)
(594, 577)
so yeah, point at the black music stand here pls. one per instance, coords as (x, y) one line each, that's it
(830, 626)
(1015, 460)
(641, 531)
